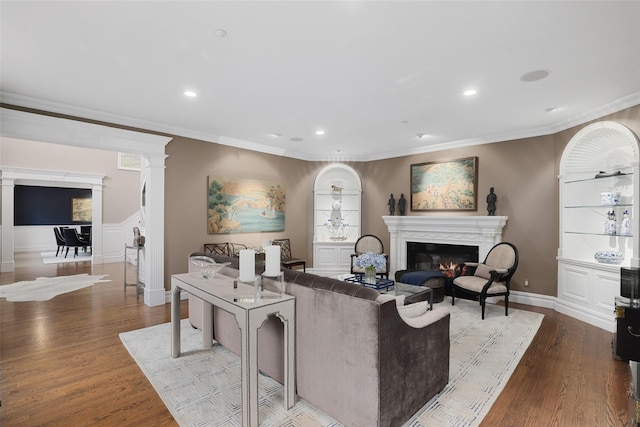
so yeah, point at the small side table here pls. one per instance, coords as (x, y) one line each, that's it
(139, 285)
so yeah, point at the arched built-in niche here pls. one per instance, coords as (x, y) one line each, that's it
(337, 194)
(601, 159)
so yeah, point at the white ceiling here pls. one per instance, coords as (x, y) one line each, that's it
(371, 74)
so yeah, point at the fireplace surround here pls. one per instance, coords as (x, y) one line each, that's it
(481, 231)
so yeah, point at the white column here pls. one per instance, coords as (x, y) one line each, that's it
(153, 262)
(96, 224)
(8, 262)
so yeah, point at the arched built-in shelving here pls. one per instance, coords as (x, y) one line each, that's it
(601, 158)
(337, 194)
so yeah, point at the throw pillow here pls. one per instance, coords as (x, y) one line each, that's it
(413, 310)
(483, 271)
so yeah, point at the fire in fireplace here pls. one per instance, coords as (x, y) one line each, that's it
(439, 256)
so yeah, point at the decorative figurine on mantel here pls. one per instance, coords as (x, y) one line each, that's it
(392, 205)
(402, 204)
(491, 202)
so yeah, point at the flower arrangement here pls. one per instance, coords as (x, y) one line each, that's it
(371, 261)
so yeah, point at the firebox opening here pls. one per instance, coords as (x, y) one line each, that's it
(439, 256)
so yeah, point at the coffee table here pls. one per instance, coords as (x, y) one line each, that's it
(412, 293)
(380, 285)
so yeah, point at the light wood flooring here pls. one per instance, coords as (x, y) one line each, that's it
(62, 362)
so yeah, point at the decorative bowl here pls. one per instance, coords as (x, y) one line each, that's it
(208, 267)
(609, 257)
(610, 198)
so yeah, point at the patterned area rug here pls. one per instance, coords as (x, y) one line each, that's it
(45, 288)
(202, 387)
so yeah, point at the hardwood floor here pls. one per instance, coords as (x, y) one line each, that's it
(63, 363)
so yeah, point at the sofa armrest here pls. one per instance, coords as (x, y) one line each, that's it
(382, 298)
(428, 318)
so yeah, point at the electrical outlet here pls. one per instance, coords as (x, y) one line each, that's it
(526, 283)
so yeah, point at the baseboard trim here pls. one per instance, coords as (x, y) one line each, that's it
(577, 312)
(587, 316)
(536, 300)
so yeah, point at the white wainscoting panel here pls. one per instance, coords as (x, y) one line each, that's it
(40, 238)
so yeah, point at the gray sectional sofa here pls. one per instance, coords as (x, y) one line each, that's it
(357, 357)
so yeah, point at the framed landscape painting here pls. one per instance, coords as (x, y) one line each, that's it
(445, 186)
(237, 205)
(81, 210)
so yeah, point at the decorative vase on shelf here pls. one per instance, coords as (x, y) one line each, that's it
(370, 274)
(625, 228)
(610, 223)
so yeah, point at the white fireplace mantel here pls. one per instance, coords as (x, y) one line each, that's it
(481, 231)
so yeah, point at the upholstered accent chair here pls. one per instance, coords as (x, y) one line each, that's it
(286, 259)
(369, 243)
(491, 278)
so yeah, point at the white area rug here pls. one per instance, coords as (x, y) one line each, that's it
(45, 288)
(202, 387)
(51, 258)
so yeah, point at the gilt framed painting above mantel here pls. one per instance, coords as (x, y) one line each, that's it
(445, 185)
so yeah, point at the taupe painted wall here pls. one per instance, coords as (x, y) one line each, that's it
(188, 165)
(523, 172)
(121, 187)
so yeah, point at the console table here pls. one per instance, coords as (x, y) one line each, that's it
(138, 284)
(250, 312)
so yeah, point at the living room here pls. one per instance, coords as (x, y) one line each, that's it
(522, 169)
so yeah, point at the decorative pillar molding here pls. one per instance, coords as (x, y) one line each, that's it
(36, 127)
(96, 224)
(8, 262)
(12, 176)
(153, 215)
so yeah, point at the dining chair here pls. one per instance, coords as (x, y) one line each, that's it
(59, 240)
(72, 240)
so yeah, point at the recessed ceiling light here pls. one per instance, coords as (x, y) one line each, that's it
(551, 109)
(295, 139)
(470, 92)
(422, 135)
(190, 93)
(534, 76)
(319, 132)
(276, 135)
(221, 33)
(405, 122)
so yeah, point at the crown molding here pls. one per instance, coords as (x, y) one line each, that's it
(58, 108)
